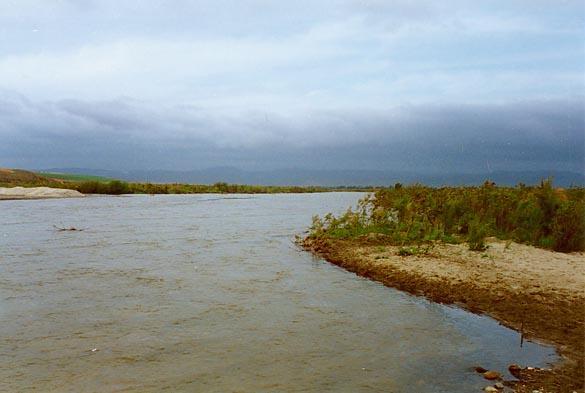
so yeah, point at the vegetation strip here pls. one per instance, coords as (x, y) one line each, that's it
(97, 185)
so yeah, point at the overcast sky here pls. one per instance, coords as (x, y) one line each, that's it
(401, 85)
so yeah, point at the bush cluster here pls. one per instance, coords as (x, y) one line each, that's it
(117, 187)
(543, 216)
(114, 187)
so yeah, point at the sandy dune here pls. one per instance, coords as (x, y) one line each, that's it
(37, 193)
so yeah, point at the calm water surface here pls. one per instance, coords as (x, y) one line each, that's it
(208, 293)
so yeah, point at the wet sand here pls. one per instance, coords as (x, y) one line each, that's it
(537, 292)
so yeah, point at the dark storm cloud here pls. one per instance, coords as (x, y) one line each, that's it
(129, 134)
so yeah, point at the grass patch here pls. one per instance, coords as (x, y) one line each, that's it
(73, 177)
(414, 250)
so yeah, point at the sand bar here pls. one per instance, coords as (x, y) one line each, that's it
(10, 193)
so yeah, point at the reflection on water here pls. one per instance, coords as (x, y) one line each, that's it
(207, 293)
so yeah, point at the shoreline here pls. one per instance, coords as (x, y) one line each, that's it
(536, 292)
(18, 193)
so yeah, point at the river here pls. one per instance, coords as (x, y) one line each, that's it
(208, 293)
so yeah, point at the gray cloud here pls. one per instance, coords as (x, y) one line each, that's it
(132, 134)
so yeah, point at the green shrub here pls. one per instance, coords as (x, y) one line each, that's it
(568, 227)
(405, 251)
(117, 187)
(476, 236)
(542, 216)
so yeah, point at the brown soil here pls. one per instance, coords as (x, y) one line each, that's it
(537, 292)
(19, 177)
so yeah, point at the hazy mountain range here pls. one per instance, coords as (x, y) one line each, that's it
(295, 176)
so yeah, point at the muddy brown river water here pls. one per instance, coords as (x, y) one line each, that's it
(208, 293)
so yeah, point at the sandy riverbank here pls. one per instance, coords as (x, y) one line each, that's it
(10, 193)
(538, 292)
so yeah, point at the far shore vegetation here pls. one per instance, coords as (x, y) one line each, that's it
(120, 187)
(414, 217)
(100, 185)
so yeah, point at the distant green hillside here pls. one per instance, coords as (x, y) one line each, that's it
(73, 177)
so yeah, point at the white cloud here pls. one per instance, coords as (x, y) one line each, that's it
(355, 53)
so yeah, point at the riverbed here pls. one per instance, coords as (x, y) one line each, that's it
(209, 293)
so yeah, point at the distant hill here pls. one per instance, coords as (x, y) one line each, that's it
(310, 177)
(13, 177)
(10, 177)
